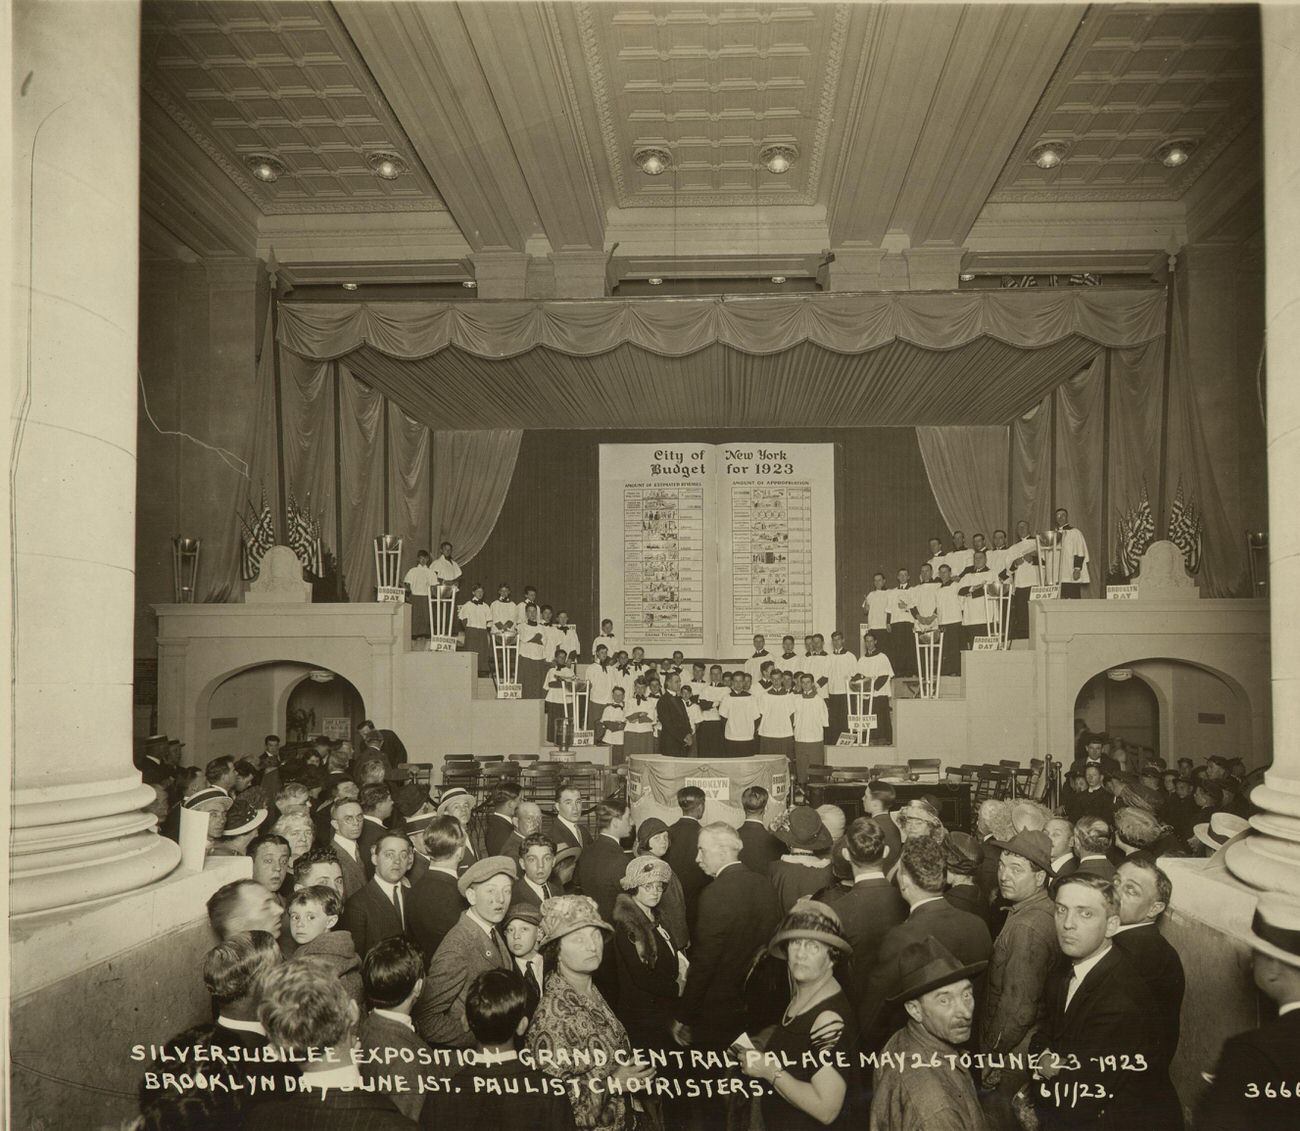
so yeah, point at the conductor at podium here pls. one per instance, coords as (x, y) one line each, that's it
(675, 731)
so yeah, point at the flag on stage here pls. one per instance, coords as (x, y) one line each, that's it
(258, 537)
(1185, 529)
(304, 535)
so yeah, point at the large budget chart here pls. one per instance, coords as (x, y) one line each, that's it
(704, 546)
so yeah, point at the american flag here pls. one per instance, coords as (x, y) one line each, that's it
(1185, 529)
(304, 535)
(258, 537)
(1141, 533)
(1118, 558)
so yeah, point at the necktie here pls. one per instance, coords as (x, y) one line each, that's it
(503, 951)
(530, 977)
(397, 903)
(1071, 986)
(546, 891)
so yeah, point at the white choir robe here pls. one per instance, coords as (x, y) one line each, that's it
(603, 681)
(874, 666)
(569, 637)
(958, 560)
(475, 615)
(1074, 547)
(611, 714)
(741, 713)
(754, 664)
(504, 612)
(418, 579)
(809, 718)
(776, 716)
(611, 644)
(445, 569)
(974, 611)
(900, 605)
(878, 608)
(816, 665)
(949, 603)
(839, 666)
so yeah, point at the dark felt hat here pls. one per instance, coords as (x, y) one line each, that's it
(928, 965)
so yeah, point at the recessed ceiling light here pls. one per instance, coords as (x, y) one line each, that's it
(265, 167)
(778, 278)
(386, 165)
(655, 281)
(469, 284)
(1049, 154)
(349, 286)
(778, 159)
(966, 276)
(1175, 153)
(652, 159)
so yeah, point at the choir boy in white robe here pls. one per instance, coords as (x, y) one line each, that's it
(876, 605)
(476, 615)
(445, 566)
(559, 671)
(708, 731)
(959, 557)
(639, 712)
(740, 711)
(775, 726)
(902, 647)
(504, 612)
(875, 671)
(1074, 557)
(606, 637)
(530, 598)
(603, 677)
(998, 556)
(975, 612)
(610, 727)
(417, 581)
(937, 556)
(839, 666)
(808, 718)
(787, 650)
(951, 609)
(754, 665)
(568, 635)
(532, 655)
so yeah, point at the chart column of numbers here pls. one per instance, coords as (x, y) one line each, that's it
(663, 555)
(772, 555)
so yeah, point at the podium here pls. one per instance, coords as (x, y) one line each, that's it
(929, 661)
(442, 617)
(505, 655)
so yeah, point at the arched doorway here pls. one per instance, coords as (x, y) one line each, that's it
(1120, 704)
(322, 702)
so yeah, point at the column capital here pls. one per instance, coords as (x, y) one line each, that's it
(580, 274)
(933, 268)
(501, 274)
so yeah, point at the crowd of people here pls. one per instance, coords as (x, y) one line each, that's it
(404, 959)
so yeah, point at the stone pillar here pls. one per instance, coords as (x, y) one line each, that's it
(1270, 857)
(79, 829)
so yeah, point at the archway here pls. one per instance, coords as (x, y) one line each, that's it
(1121, 703)
(321, 702)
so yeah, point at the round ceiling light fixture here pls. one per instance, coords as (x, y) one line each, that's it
(1048, 154)
(967, 276)
(388, 166)
(1175, 153)
(778, 159)
(652, 160)
(265, 167)
(469, 284)
(778, 278)
(655, 281)
(349, 286)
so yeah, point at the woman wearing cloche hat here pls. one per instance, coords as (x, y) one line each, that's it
(573, 1015)
(817, 1033)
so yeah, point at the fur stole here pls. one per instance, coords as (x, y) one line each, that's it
(633, 924)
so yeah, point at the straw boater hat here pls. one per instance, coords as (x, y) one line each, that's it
(1221, 830)
(808, 919)
(645, 870)
(1033, 845)
(564, 914)
(419, 821)
(450, 796)
(205, 797)
(928, 965)
(483, 870)
(921, 810)
(1275, 929)
(805, 830)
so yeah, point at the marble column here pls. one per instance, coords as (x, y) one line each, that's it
(1270, 858)
(80, 832)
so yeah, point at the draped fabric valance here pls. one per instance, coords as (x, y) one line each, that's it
(845, 323)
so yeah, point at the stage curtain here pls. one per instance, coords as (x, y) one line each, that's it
(408, 483)
(846, 323)
(1133, 462)
(471, 475)
(967, 469)
(362, 476)
(307, 396)
(1031, 489)
(1080, 463)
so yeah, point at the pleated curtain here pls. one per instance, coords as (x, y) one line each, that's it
(967, 469)
(471, 475)
(362, 475)
(307, 397)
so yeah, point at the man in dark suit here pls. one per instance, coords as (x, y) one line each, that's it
(877, 800)
(347, 821)
(1144, 892)
(1094, 755)
(389, 747)
(378, 910)
(376, 811)
(1099, 1008)
(683, 840)
(603, 862)
(567, 830)
(1253, 1067)
(738, 911)
(761, 846)
(921, 878)
(1092, 843)
(500, 825)
(434, 902)
(1094, 800)
(537, 864)
(872, 907)
(305, 1009)
(676, 735)
(393, 975)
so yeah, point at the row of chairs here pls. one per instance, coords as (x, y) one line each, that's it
(540, 781)
(1003, 780)
(914, 769)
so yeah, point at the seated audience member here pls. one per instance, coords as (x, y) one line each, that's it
(376, 802)
(653, 839)
(921, 877)
(761, 848)
(537, 861)
(649, 970)
(871, 906)
(313, 913)
(500, 825)
(915, 1089)
(378, 910)
(804, 869)
(393, 975)
(803, 1060)
(574, 1015)
(1144, 891)
(270, 856)
(470, 947)
(1099, 1008)
(683, 839)
(243, 905)
(305, 1008)
(434, 902)
(497, 1092)
(1092, 844)
(1256, 1073)
(962, 856)
(521, 928)
(738, 911)
(603, 862)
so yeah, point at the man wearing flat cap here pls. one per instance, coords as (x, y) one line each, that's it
(915, 1087)
(473, 945)
(1255, 1077)
(1023, 954)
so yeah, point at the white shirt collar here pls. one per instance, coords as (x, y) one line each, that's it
(346, 1075)
(398, 1018)
(927, 899)
(1059, 860)
(386, 887)
(348, 846)
(482, 924)
(869, 874)
(1084, 967)
(567, 823)
(246, 1026)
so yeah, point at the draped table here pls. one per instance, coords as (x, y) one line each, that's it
(654, 779)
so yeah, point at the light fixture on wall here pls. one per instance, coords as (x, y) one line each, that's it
(388, 166)
(265, 167)
(349, 286)
(469, 284)
(1119, 675)
(655, 281)
(652, 160)
(967, 276)
(778, 159)
(320, 675)
(778, 278)
(1175, 153)
(1048, 154)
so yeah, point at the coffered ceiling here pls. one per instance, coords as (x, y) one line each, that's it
(913, 125)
